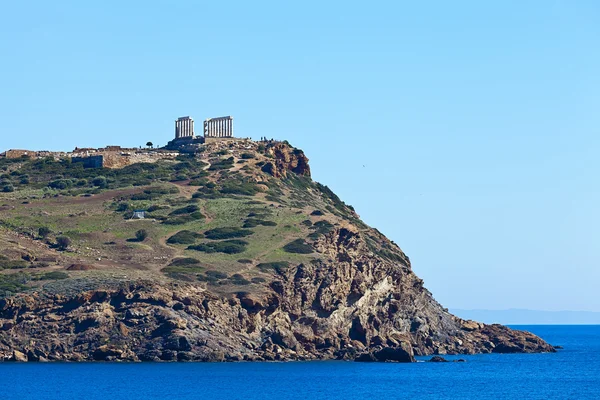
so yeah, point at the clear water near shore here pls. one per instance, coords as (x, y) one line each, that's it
(572, 373)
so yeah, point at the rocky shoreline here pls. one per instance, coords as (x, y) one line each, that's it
(358, 307)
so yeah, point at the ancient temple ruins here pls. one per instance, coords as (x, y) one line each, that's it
(221, 127)
(184, 128)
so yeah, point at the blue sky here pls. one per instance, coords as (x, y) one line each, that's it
(466, 131)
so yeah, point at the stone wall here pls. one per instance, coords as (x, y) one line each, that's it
(108, 157)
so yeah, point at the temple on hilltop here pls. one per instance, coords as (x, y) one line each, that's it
(184, 127)
(214, 129)
(220, 127)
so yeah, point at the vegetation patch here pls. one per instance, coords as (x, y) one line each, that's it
(184, 237)
(240, 188)
(226, 163)
(278, 266)
(184, 219)
(298, 246)
(227, 233)
(233, 246)
(13, 283)
(178, 262)
(54, 275)
(184, 215)
(254, 222)
(239, 279)
(5, 263)
(185, 210)
(322, 227)
(216, 274)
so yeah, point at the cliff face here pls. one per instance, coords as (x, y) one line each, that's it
(285, 158)
(356, 304)
(338, 290)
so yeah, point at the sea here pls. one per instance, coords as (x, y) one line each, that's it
(572, 373)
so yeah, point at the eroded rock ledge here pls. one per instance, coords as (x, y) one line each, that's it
(354, 305)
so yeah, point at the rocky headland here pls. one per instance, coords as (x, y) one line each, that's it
(265, 265)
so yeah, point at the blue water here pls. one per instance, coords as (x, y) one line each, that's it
(572, 373)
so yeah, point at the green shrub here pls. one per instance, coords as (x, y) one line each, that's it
(298, 246)
(186, 210)
(141, 235)
(228, 247)
(121, 207)
(216, 274)
(5, 263)
(247, 156)
(184, 237)
(306, 222)
(278, 266)
(178, 262)
(183, 219)
(197, 215)
(100, 181)
(317, 212)
(222, 164)
(239, 279)
(63, 242)
(60, 184)
(44, 231)
(198, 182)
(227, 233)
(320, 228)
(242, 188)
(13, 283)
(244, 261)
(253, 222)
(54, 275)
(258, 279)
(156, 208)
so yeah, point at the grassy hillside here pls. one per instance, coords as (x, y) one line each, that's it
(229, 217)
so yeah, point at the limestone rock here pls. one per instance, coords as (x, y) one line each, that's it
(19, 356)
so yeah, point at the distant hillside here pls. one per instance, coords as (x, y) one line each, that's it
(530, 317)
